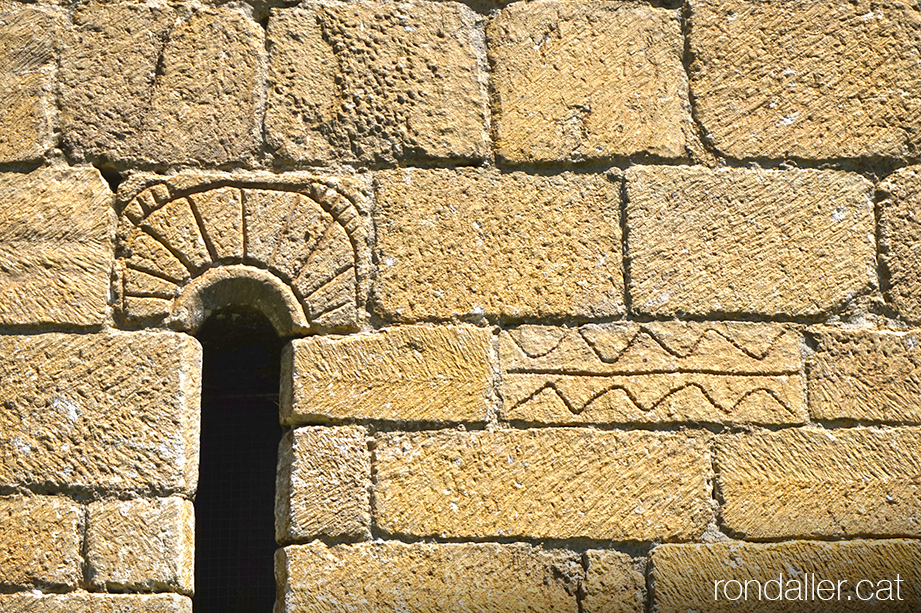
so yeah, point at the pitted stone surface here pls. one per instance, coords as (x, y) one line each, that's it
(578, 81)
(614, 583)
(733, 241)
(407, 373)
(118, 410)
(900, 240)
(550, 482)
(813, 482)
(812, 79)
(82, 602)
(480, 242)
(377, 82)
(422, 578)
(42, 540)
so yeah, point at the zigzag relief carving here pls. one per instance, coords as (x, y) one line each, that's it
(292, 250)
(650, 373)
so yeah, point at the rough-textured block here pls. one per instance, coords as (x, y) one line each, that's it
(81, 602)
(655, 372)
(816, 482)
(409, 373)
(748, 242)
(324, 484)
(865, 375)
(141, 545)
(811, 79)
(377, 82)
(900, 240)
(393, 577)
(480, 242)
(614, 583)
(29, 36)
(543, 483)
(150, 84)
(42, 538)
(116, 410)
(578, 81)
(56, 229)
(685, 577)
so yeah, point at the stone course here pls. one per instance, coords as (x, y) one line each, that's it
(82, 602)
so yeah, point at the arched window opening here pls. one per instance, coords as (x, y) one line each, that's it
(235, 502)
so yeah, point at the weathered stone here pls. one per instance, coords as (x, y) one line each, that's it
(655, 372)
(580, 81)
(81, 602)
(812, 482)
(42, 538)
(614, 583)
(55, 247)
(29, 36)
(748, 242)
(865, 375)
(323, 484)
(408, 373)
(685, 577)
(141, 545)
(118, 410)
(392, 577)
(153, 85)
(900, 240)
(480, 242)
(780, 79)
(414, 88)
(543, 483)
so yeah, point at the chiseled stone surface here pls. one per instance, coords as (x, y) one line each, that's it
(82, 602)
(779, 79)
(42, 538)
(394, 577)
(29, 36)
(578, 81)
(900, 240)
(813, 482)
(614, 583)
(718, 372)
(118, 410)
(406, 373)
(141, 545)
(56, 227)
(481, 242)
(414, 88)
(684, 576)
(152, 84)
(865, 375)
(734, 241)
(323, 484)
(543, 483)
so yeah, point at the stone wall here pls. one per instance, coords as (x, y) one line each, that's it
(593, 303)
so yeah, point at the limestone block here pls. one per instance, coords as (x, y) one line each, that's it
(578, 81)
(56, 228)
(82, 602)
(685, 576)
(377, 82)
(394, 577)
(543, 483)
(900, 240)
(407, 373)
(29, 46)
(42, 538)
(323, 484)
(813, 482)
(118, 410)
(865, 375)
(481, 242)
(812, 79)
(614, 583)
(149, 84)
(141, 545)
(655, 372)
(748, 242)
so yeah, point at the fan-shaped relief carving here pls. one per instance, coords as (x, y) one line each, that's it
(294, 252)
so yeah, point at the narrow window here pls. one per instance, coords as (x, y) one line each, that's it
(235, 502)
